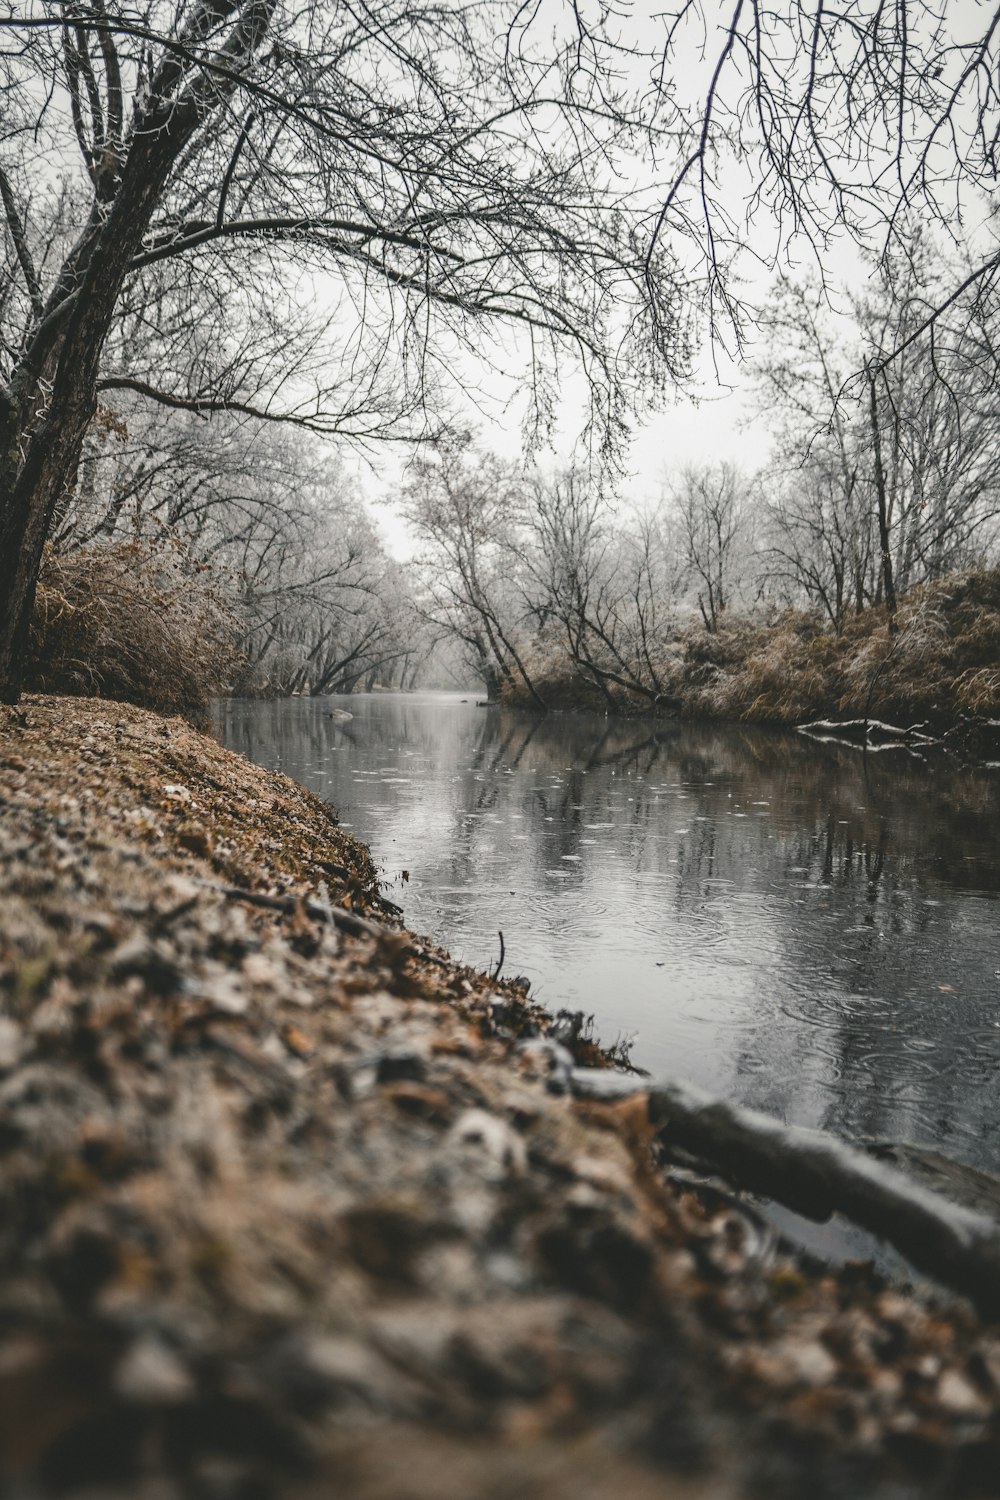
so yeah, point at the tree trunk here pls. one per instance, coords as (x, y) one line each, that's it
(29, 493)
(888, 581)
(31, 487)
(41, 436)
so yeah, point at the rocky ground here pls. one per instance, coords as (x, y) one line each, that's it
(292, 1205)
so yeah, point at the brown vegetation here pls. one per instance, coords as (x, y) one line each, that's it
(943, 663)
(292, 1211)
(134, 622)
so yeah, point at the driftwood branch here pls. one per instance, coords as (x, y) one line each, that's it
(818, 1175)
(977, 737)
(869, 732)
(606, 1085)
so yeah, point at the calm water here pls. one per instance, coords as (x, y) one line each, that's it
(775, 920)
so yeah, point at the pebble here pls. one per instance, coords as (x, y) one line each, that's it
(152, 1374)
(959, 1397)
(498, 1140)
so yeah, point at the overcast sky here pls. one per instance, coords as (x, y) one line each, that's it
(720, 427)
(722, 423)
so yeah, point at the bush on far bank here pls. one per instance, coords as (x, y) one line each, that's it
(943, 663)
(134, 621)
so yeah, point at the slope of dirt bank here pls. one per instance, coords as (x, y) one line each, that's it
(292, 1210)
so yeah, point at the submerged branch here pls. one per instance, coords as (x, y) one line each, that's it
(818, 1175)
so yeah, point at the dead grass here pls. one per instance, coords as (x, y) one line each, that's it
(134, 622)
(943, 663)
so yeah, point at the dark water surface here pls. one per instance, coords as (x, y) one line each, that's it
(782, 922)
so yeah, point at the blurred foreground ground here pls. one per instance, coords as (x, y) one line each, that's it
(286, 1211)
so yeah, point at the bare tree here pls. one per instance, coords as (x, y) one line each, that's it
(881, 481)
(609, 581)
(249, 143)
(711, 502)
(862, 117)
(936, 406)
(467, 506)
(566, 552)
(817, 544)
(817, 512)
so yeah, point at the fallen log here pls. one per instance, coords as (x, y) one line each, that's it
(868, 732)
(605, 1085)
(818, 1175)
(954, 1180)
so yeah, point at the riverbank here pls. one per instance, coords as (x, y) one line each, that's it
(941, 667)
(293, 1204)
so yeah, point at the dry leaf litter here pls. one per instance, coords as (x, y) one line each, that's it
(289, 1210)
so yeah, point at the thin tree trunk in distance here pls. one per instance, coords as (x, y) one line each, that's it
(883, 516)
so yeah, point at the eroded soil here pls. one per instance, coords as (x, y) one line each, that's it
(290, 1211)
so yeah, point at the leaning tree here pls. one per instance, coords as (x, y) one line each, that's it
(420, 169)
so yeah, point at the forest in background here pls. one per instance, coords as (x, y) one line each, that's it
(242, 240)
(196, 555)
(856, 572)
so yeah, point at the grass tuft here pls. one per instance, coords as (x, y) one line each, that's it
(133, 622)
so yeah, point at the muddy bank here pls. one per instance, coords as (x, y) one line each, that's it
(291, 1204)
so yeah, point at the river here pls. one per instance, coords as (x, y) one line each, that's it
(789, 924)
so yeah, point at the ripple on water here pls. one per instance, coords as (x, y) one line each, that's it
(832, 1009)
(735, 953)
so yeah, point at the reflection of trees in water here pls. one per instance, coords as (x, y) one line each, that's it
(291, 735)
(844, 858)
(875, 844)
(875, 828)
(925, 1065)
(640, 756)
(592, 741)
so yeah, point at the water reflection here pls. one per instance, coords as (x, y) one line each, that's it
(781, 921)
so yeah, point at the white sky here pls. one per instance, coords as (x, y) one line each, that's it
(721, 422)
(720, 427)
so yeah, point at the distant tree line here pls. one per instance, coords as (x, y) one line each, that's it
(262, 524)
(885, 474)
(325, 215)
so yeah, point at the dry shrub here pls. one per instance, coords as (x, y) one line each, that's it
(548, 665)
(134, 621)
(978, 691)
(944, 662)
(865, 665)
(754, 670)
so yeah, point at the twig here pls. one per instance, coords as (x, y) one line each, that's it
(496, 972)
(343, 920)
(337, 916)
